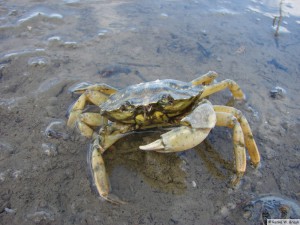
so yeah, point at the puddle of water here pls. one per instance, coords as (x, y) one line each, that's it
(46, 48)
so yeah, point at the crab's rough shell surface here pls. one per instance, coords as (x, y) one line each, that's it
(167, 96)
(162, 103)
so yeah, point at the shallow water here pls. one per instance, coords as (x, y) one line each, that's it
(46, 48)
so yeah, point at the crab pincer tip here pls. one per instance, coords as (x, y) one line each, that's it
(156, 145)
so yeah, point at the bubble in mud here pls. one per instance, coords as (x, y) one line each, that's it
(54, 41)
(102, 32)
(23, 53)
(16, 174)
(71, 1)
(40, 16)
(70, 44)
(37, 62)
(54, 38)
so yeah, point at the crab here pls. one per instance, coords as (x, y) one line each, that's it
(183, 107)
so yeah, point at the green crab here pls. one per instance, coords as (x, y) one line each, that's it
(182, 106)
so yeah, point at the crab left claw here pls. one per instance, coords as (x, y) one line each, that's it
(196, 126)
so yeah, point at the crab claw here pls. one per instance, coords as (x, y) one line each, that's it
(178, 139)
(196, 127)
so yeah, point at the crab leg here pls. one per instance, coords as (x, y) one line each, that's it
(248, 136)
(107, 137)
(92, 119)
(230, 84)
(96, 94)
(205, 79)
(103, 88)
(228, 120)
(99, 174)
(95, 97)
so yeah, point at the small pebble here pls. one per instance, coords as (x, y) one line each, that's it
(56, 129)
(194, 184)
(37, 62)
(164, 15)
(224, 211)
(278, 93)
(49, 149)
(16, 174)
(8, 210)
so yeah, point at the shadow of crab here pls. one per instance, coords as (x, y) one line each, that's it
(162, 171)
(165, 172)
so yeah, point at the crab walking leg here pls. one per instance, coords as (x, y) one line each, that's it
(196, 127)
(103, 88)
(107, 137)
(230, 84)
(228, 120)
(248, 136)
(93, 119)
(94, 97)
(86, 120)
(99, 174)
(205, 79)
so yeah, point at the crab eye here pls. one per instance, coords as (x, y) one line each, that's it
(166, 100)
(126, 106)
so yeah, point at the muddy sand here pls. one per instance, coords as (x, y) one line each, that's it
(46, 48)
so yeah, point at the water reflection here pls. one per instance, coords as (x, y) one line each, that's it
(290, 7)
(270, 8)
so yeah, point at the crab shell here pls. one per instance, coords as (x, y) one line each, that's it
(151, 102)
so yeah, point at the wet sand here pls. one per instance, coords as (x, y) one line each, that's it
(46, 48)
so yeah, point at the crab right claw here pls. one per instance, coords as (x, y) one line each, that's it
(196, 126)
(178, 139)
